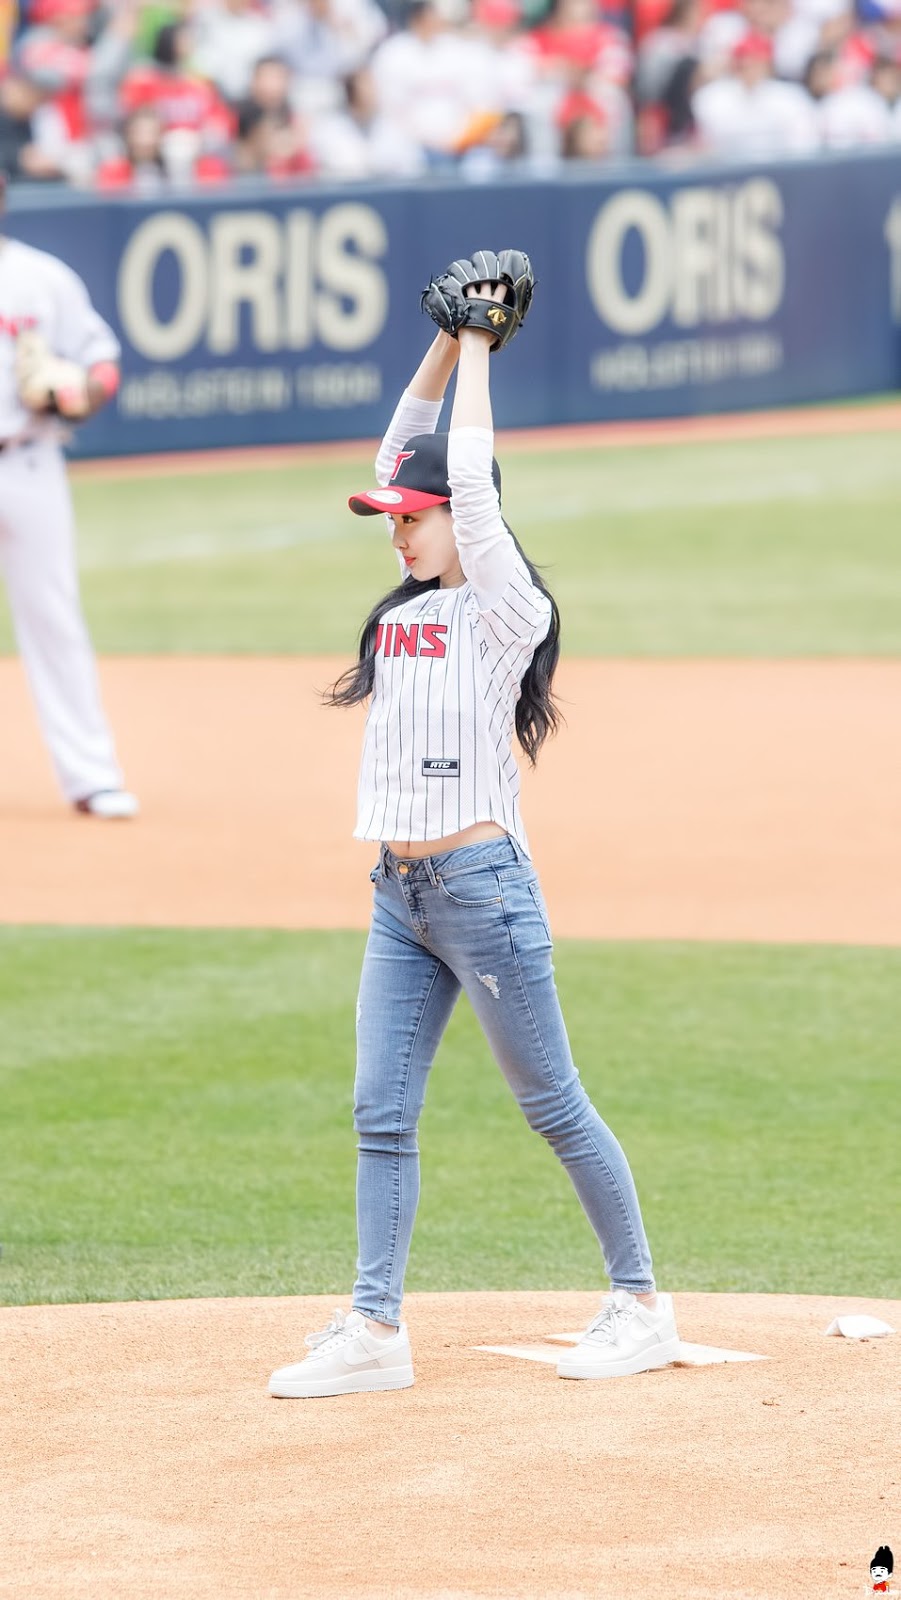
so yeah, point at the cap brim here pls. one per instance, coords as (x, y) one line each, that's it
(394, 502)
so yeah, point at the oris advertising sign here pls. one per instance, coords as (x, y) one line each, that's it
(272, 316)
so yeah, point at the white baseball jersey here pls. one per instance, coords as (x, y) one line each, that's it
(39, 292)
(37, 544)
(437, 749)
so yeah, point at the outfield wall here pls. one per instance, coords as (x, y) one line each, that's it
(254, 316)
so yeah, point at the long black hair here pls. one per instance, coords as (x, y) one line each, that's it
(537, 713)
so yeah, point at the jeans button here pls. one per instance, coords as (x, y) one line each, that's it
(403, 868)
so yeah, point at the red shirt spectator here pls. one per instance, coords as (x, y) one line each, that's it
(145, 165)
(180, 99)
(573, 37)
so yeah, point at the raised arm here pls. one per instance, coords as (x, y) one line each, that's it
(488, 555)
(420, 404)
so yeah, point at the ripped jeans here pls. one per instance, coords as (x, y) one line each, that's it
(472, 918)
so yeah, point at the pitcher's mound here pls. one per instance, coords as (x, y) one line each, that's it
(145, 1458)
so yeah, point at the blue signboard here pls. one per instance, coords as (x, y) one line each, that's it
(261, 316)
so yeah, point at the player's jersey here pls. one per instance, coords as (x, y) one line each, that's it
(437, 750)
(38, 291)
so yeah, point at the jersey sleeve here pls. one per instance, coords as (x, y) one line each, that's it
(412, 416)
(491, 563)
(80, 333)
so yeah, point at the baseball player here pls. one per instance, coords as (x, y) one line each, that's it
(58, 365)
(455, 660)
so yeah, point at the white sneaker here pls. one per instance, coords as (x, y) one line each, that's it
(625, 1337)
(347, 1359)
(113, 805)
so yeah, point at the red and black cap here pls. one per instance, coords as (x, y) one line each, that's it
(419, 480)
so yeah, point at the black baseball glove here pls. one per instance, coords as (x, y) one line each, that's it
(448, 304)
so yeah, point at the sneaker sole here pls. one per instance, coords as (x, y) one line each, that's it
(649, 1361)
(353, 1383)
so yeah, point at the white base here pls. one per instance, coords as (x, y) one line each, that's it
(690, 1355)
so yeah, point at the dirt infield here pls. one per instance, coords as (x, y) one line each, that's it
(143, 1458)
(697, 800)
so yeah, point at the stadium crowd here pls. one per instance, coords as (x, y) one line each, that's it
(135, 96)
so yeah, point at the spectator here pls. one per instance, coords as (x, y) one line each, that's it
(586, 138)
(576, 54)
(153, 159)
(230, 36)
(747, 113)
(272, 137)
(591, 98)
(269, 88)
(359, 141)
(860, 114)
(820, 76)
(422, 85)
(504, 143)
(664, 50)
(283, 88)
(574, 37)
(797, 29)
(20, 157)
(54, 55)
(181, 99)
(325, 42)
(667, 76)
(502, 67)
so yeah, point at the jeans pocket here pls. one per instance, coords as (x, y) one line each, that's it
(540, 906)
(470, 890)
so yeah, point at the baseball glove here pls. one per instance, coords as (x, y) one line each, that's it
(47, 383)
(448, 304)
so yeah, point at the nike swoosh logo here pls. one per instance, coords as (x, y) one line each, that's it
(358, 1359)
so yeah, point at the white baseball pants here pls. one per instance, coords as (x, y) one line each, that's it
(37, 560)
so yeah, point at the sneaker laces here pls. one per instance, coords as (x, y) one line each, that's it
(337, 1328)
(614, 1314)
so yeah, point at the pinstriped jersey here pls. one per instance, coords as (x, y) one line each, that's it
(438, 744)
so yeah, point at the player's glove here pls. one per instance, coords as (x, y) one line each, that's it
(47, 383)
(448, 304)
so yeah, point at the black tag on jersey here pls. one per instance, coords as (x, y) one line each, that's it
(440, 767)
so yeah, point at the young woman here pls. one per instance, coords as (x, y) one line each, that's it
(455, 659)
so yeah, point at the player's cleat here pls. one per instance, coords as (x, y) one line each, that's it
(625, 1337)
(347, 1359)
(112, 804)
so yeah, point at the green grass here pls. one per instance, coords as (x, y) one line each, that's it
(758, 548)
(177, 1120)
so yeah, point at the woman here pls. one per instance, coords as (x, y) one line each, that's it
(458, 656)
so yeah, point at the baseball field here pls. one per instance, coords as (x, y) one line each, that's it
(718, 832)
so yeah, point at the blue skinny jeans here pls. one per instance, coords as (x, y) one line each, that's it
(471, 919)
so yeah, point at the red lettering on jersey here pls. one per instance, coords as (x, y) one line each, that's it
(16, 325)
(426, 639)
(406, 638)
(430, 636)
(405, 455)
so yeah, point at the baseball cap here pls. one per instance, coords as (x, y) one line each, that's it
(419, 480)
